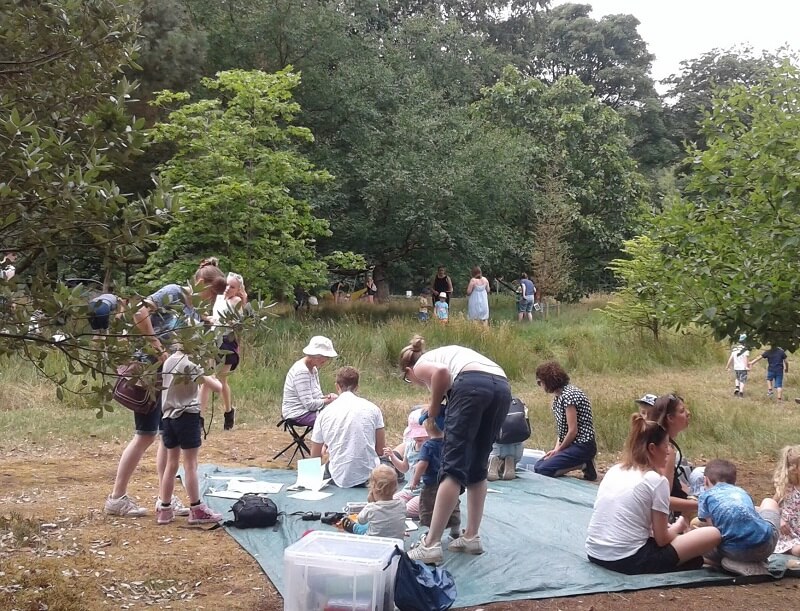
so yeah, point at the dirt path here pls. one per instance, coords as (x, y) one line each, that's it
(58, 550)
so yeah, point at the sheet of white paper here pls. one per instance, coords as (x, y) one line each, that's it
(310, 473)
(310, 495)
(411, 526)
(237, 485)
(229, 478)
(225, 494)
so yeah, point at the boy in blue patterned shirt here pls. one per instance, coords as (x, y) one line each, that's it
(749, 534)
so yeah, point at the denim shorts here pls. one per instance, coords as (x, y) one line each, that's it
(758, 553)
(776, 379)
(525, 305)
(476, 407)
(183, 431)
(99, 314)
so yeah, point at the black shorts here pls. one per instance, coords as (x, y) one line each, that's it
(650, 558)
(476, 408)
(232, 356)
(184, 431)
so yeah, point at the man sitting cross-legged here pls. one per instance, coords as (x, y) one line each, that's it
(352, 429)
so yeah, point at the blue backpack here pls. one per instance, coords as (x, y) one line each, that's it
(418, 587)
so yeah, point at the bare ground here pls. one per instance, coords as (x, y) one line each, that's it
(59, 551)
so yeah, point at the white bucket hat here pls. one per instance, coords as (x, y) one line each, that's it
(320, 345)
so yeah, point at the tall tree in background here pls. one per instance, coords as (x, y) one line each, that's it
(242, 183)
(699, 79)
(585, 139)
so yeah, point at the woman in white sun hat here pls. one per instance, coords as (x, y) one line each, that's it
(302, 393)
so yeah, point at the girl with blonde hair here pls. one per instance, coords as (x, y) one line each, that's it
(787, 495)
(227, 310)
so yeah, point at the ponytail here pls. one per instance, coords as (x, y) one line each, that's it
(411, 353)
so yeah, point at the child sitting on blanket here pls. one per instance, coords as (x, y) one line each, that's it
(749, 534)
(427, 470)
(383, 516)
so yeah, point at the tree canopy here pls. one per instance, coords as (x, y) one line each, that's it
(242, 184)
(728, 242)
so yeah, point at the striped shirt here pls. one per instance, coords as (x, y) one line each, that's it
(301, 391)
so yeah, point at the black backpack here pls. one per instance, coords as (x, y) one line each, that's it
(253, 511)
(516, 427)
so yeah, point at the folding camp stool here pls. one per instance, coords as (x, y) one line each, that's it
(298, 438)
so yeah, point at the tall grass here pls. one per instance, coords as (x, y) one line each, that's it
(613, 367)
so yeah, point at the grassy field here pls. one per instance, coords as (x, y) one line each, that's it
(613, 367)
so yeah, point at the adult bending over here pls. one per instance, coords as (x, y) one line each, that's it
(478, 396)
(671, 413)
(302, 393)
(629, 531)
(575, 446)
(155, 320)
(353, 430)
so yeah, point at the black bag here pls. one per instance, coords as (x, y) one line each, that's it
(253, 511)
(516, 427)
(418, 587)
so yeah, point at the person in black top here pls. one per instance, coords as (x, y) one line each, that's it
(442, 283)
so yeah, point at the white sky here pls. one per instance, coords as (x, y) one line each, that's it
(675, 30)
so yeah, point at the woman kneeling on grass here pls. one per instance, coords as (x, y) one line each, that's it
(629, 531)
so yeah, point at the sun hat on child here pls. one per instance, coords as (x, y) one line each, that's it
(648, 399)
(443, 295)
(742, 337)
(320, 345)
(414, 429)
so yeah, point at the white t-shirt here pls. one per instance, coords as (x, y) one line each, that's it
(740, 358)
(456, 358)
(621, 521)
(347, 426)
(180, 381)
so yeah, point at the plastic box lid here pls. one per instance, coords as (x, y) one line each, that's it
(343, 547)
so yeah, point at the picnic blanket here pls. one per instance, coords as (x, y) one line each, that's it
(533, 532)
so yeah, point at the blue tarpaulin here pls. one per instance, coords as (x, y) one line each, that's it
(533, 532)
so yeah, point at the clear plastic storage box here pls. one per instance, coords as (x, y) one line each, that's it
(332, 571)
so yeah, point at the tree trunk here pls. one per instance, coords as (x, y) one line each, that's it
(382, 282)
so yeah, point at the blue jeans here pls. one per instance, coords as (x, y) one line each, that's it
(568, 459)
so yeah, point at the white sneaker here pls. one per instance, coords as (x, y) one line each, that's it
(425, 554)
(178, 508)
(467, 546)
(124, 506)
(745, 569)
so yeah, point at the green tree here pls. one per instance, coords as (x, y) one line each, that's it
(65, 130)
(699, 79)
(642, 302)
(730, 242)
(244, 187)
(572, 135)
